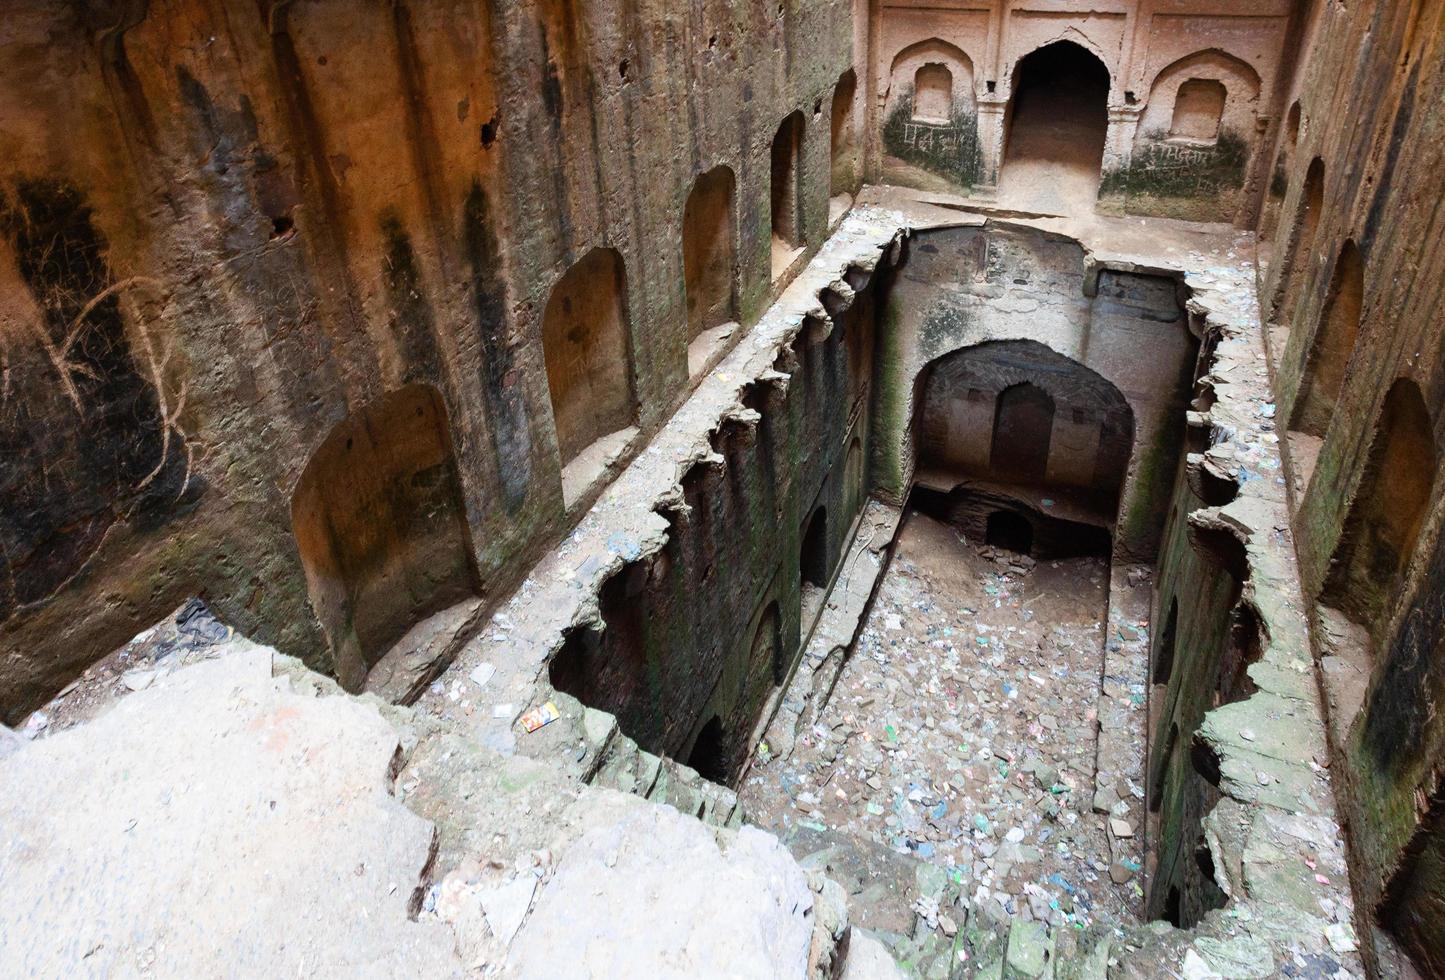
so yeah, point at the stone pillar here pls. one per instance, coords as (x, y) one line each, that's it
(1119, 141)
(991, 112)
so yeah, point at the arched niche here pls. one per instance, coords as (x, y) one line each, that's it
(1332, 345)
(940, 64)
(785, 190)
(585, 342)
(1301, 242)
(933, 94)
(1200, 96)
(1388, 509)
(380, 526)
(1198, 110)
(709, 251)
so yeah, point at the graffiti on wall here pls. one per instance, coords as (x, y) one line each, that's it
(948, 150)
(1181, 179)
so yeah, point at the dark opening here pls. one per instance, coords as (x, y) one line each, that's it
(707, 755)
(609, 670)
(1211, 896)
(1205, 760)
(1164, 655)
(813, 557)
(1009, 531)
(575, 665)
(971, 509)
(1059, 111)
(1215, 490)
(1023, 424)
(1246, 646)
(1171, 907)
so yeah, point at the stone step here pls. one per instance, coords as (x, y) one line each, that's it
(619, 769)
(604, 756)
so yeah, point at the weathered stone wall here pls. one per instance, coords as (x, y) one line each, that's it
(1201, 645)
(228, 226)
(1148, 49)
(965, 286)
(1373, 110)
(710, 626)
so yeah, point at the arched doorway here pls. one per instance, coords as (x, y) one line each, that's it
(707, 755)
(1057, 121)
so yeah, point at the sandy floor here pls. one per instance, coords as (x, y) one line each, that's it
(963, 732)
(1051, 163)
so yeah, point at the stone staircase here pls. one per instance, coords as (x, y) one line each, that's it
(921, 914)
(627, 768)
(589, 744)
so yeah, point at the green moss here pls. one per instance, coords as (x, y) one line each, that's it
(1279, 183)
(1178, 180)
(950, 151)
(1146, 495)
(891, 394)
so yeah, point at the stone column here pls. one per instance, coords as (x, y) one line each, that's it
(991, 111)
(1119, 141)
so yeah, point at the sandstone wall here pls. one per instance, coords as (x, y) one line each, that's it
(1149, 50)
(230, 226)
(1371, 365)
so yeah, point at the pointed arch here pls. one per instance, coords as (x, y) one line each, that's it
(934, 53)
(1070, 35)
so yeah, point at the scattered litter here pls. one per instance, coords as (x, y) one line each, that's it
(482, 673)
(540, 716)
